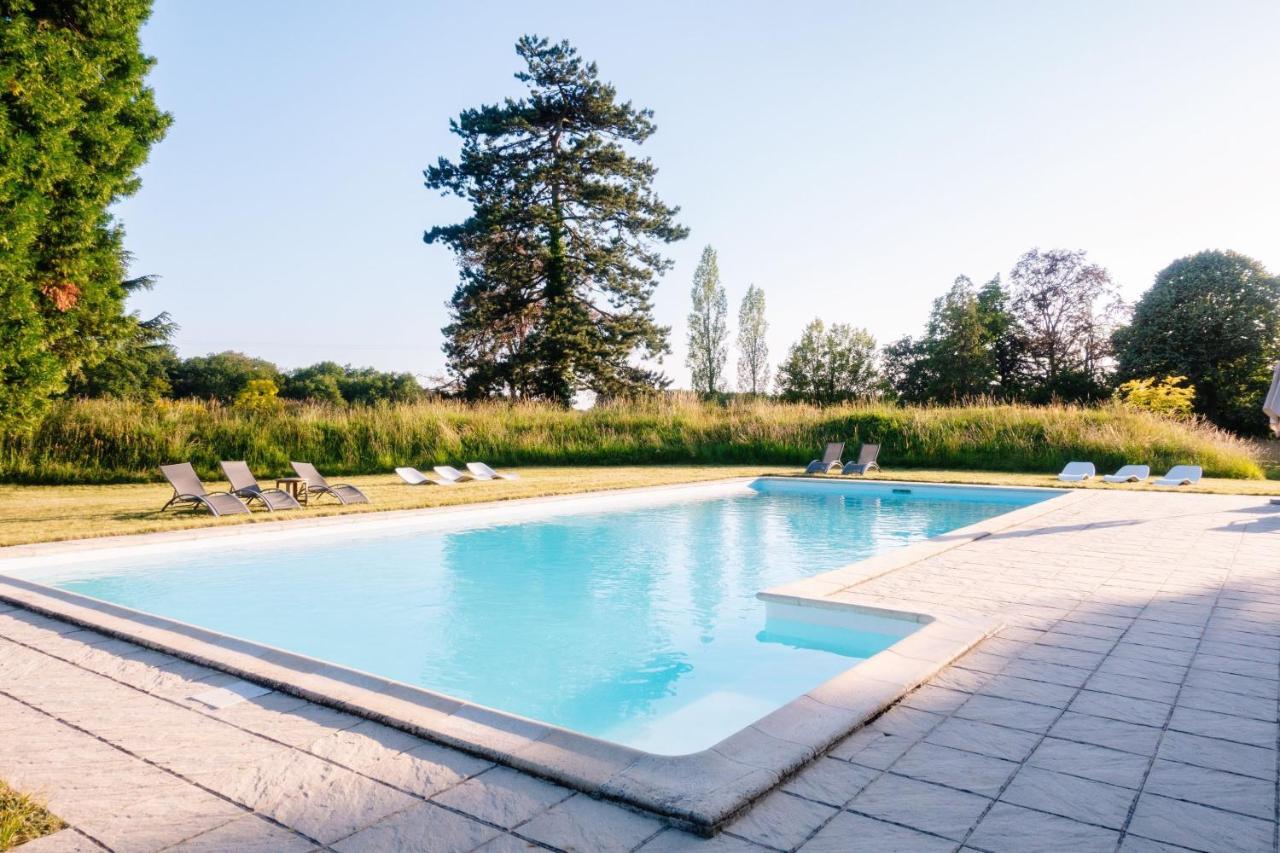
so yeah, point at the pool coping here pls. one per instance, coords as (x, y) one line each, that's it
(700, 791)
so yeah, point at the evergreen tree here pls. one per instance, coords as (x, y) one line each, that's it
(137, 365)
(753, 351)
(76, 122)
(708, 329)
(828, 366)
(1213, 317)
(559, 258)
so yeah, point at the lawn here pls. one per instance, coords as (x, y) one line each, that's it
(50, 513)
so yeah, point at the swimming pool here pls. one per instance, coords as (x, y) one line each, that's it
(637, 623)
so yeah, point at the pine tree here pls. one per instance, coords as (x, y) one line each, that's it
(559, 258)
(76, 122)
(708, 330)
(753, 351)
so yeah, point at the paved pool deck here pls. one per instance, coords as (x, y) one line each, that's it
(1131, 704)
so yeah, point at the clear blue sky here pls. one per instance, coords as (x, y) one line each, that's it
(849, 158)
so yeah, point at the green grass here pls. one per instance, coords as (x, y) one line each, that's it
(23, 818)
(103, 441)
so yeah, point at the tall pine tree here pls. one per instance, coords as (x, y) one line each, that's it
(708, 328)
(76, 122)
(559, 258)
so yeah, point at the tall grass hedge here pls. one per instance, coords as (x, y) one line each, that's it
(117, 441)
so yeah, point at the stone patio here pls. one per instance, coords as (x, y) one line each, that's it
(1131, 704)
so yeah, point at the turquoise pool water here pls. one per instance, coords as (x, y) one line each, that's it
(638, 625)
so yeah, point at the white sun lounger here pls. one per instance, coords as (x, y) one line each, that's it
(1129, 474)
(1077, 471)
(1181, 475)
(414, 477)
(449, 474)
(481, 471)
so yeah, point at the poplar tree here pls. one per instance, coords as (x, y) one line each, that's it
(76, 122)
(559, 257)
(708, 330)
(753, 351)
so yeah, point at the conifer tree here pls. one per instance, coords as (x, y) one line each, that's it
(559, 257)
(708, 330)
(76, 122)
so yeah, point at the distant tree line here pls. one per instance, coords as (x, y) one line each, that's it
(1202, 340)
(150, 370)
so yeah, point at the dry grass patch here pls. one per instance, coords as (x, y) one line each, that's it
(23, 818)
(51, 513)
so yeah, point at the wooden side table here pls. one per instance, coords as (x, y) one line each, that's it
(295, 486)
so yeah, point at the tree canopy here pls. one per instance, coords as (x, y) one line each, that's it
(76, 122)
(1067, 309)
(1214, 318)
(559, 257)
(829, 365)
(971, 348)
(137, 365)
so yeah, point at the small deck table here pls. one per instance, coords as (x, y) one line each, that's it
(295, 486)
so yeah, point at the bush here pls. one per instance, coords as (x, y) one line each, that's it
(118, 440)
(1168, 396)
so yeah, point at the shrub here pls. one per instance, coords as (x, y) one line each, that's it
(1161, 396)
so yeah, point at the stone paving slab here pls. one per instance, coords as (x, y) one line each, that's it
(1131, 703)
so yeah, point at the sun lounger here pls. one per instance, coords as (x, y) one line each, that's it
(342, 492)
(1077, 471)
(481, 471)
(1181, 475)
(1129, 474)
(449, 474)
(189, 491)
(830, 460)
(244, 485)
(867, 455)
(414, 477)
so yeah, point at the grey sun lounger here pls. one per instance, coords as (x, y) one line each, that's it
(867, 455)
(342, 492)
(414, 477)
(481, 471)
(830, 460)
(449, 474)
(245, 485)
(1077, 471)
(1181, 475)
(189, 491)
(1129, 474)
